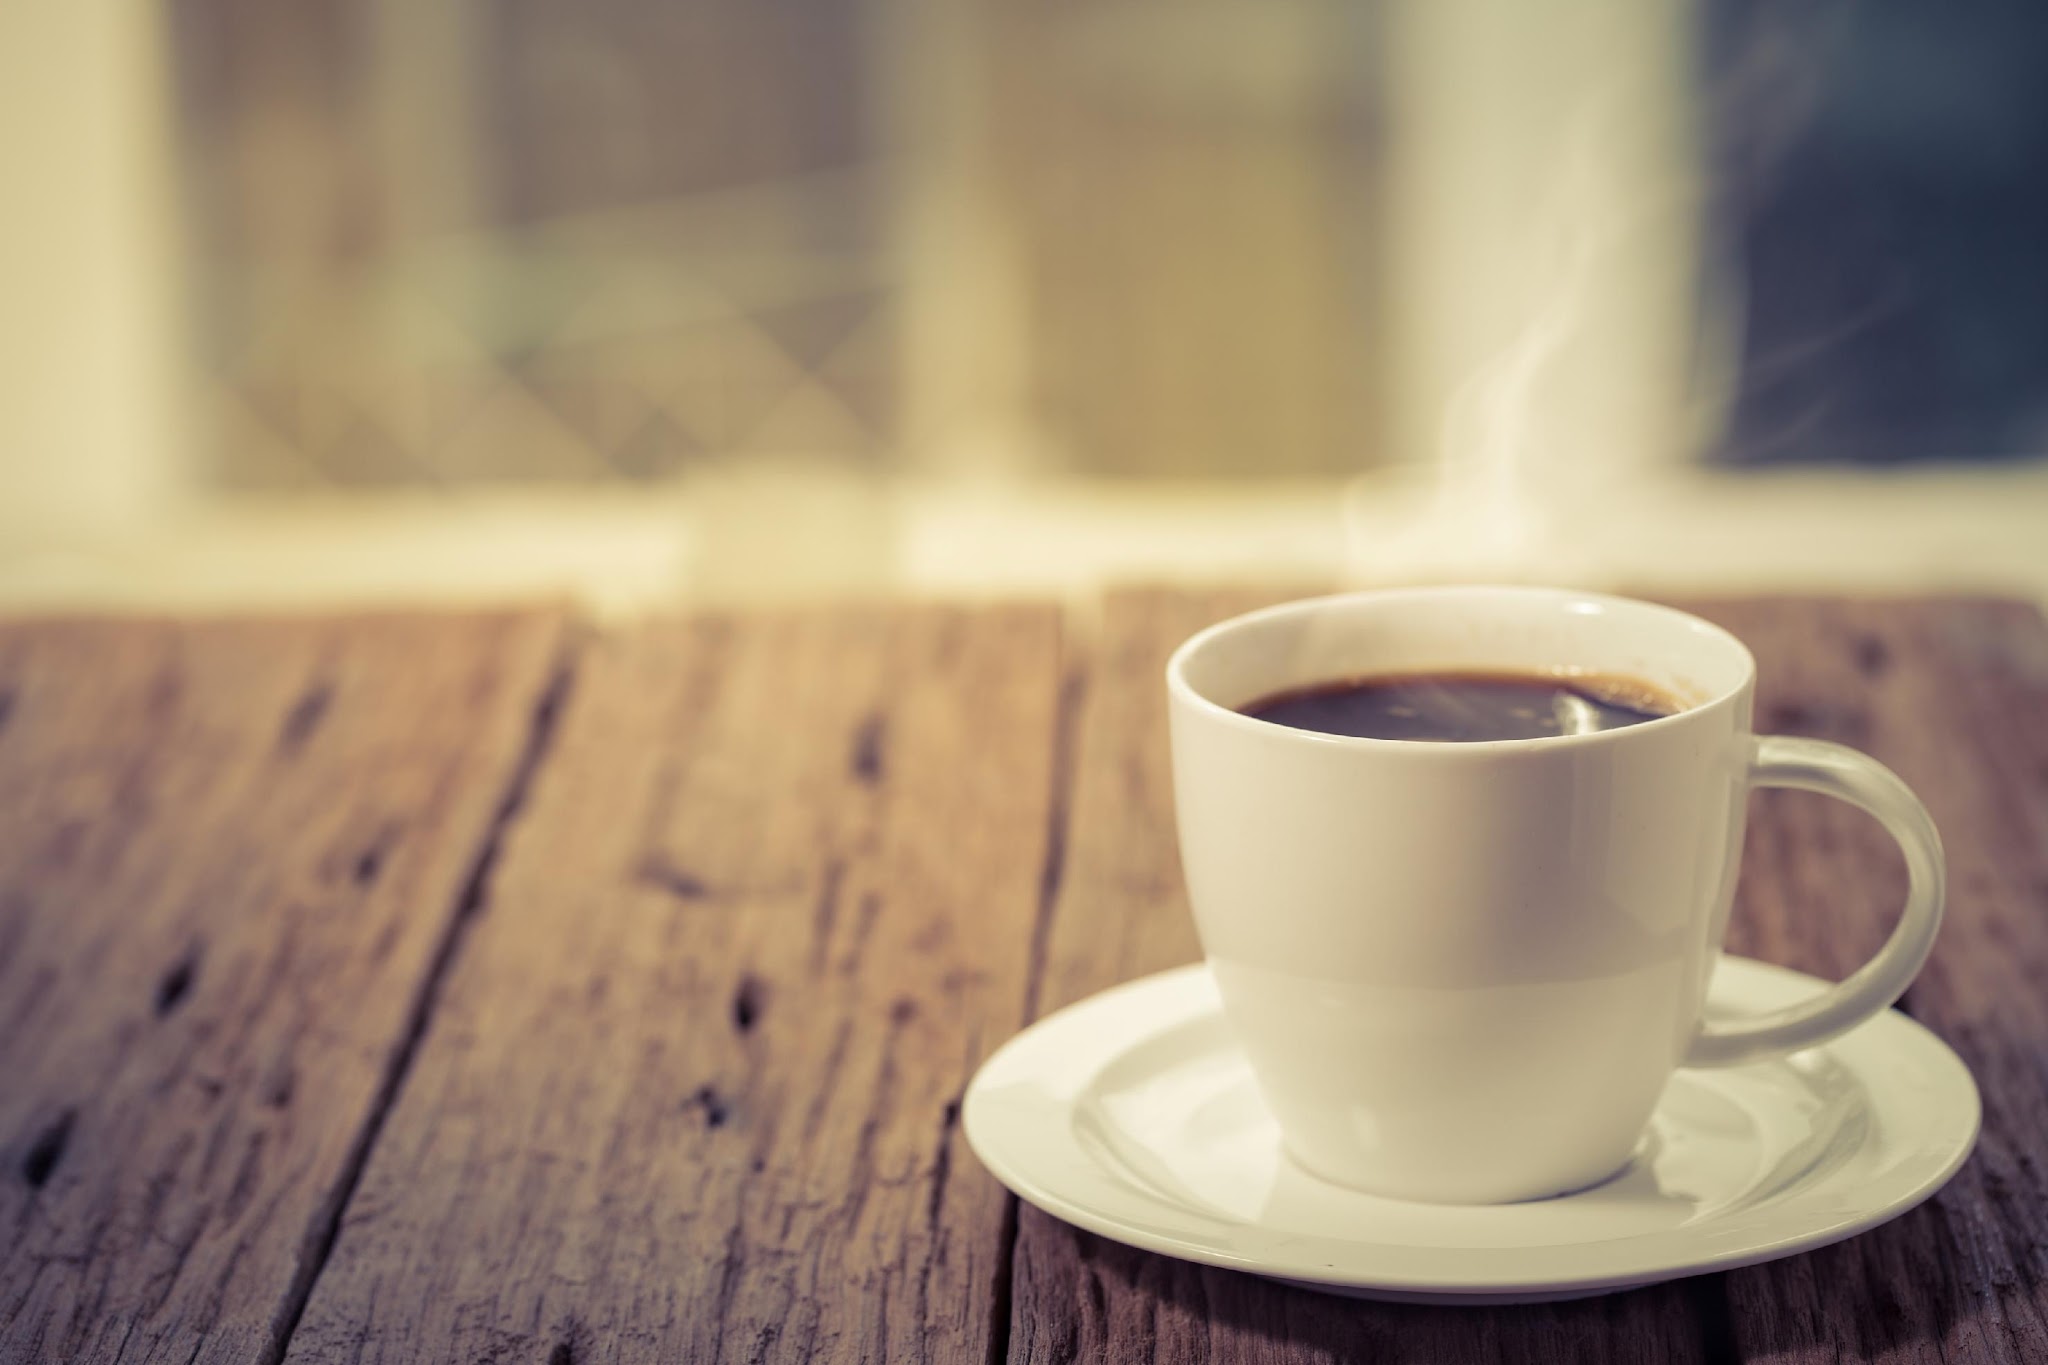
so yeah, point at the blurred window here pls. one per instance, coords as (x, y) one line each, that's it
(1887, 210)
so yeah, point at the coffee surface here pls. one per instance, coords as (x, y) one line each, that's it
(1468, 706)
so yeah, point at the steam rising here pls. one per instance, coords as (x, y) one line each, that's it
(1496, 450)
(1547, 210)
(1563, 328)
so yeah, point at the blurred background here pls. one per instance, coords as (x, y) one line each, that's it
(743, 299)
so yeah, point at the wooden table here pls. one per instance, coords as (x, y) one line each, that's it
(487, 987)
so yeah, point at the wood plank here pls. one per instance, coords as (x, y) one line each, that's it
(230, 855)
(1953, 695)
(1121, 913)
(692, 1089)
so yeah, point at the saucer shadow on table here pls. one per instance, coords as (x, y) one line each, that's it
(1880, 1302)
(1139, 1304)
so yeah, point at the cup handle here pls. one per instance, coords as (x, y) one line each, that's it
(1815, 765)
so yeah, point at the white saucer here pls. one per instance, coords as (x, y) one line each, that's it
(1133, 1114)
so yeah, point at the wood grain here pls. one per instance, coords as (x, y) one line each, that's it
(692, 1088)
(1121, 913)
(230, 854)
(1953, 695)
(381, 989)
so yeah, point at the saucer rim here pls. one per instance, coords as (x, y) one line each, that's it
(1912, 1182)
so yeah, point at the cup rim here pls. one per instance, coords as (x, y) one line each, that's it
(1180, 689)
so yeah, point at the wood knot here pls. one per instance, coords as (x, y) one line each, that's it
(44, 1154)
(717, 1111)
(657, 871)
(370, 862)
(279, 1085)
(868, 745)
(176, 983)
(748, 1002)
(1872, 655)
(304, 718)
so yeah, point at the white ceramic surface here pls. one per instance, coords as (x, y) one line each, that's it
(1464, 972)
(1134, 1114)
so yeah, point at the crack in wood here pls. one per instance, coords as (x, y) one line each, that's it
(657, 871)
(865, 914)
(942, 1167)
(1052, 876)
(279, 1084)
(242, 1188)
(305, 716)
(571, 1336)
(869, 749)
(748, 1002)
(370, 862)
(1707, 1295)
(44, 1154)
(825, 913)
(1098, 1297)
(177, 982)
(470, 903)
(1053, 872)
(717, 1109)
(728, 1280)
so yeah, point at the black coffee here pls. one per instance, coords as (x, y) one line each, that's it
(1465, 706)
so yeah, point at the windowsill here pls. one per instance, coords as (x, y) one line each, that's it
(795, 535)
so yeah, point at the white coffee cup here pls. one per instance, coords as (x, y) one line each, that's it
(1463, 972)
